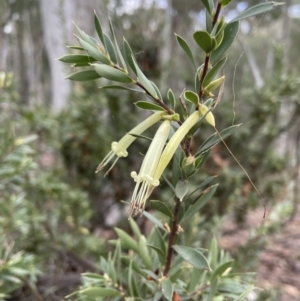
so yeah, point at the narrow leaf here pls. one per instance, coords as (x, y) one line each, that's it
(123, 64)
(127, 240)
(215, 139)
(145, 105)
(255, 10)
(213, 72)
(84, 36)
(204, 40)
(95, 292)
(193, 209)
(99, 29)
(154, 220)
(167, 289)
(113, 74)
(76, 58)
(117, 87)
(110, 48)
(161, 207)
(184, 45)
(171, 98)
(193, 256)
(191, 97)
(85, 75)
(129, 56)
(206, 4)
(144, 81)
(94, 52)
(135, 228)
(221, 269)
(230, 32)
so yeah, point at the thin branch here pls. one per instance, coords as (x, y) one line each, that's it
(172, 238)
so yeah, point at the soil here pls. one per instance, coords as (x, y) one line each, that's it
(279, 262)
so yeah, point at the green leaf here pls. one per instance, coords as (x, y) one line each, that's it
(167, 289)
(159, 253)
(191, 97)
(144, 80)
(85, 75)
(96, 292)
(193, 256)
(123, 64)
(110, 48)
(156, 90)
(205, 182)
(76, 58)
(161, 207)
(256, 10)
(213, 72)
(135, 228)
(221, 269)
(215, 139)
(127, 241)
(181, 189)
(94, 52)
(117, 87)
(207, 5)
(194, 208)
(230, 32)
(184, 45)
(99, 29)
(204, 40)
(129, 56)
(225, 2)
(154, 220)
(171, 99)
(129, 280)
(113, 74)
(84, 36)
(144, 252)
(145, 105)
(75, 48)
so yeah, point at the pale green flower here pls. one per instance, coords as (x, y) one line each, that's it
(145, 182)
(119, 149)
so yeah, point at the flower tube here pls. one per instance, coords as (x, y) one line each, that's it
(145, 182)
(119, 149)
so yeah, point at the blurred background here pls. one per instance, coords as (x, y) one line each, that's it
(56, 214)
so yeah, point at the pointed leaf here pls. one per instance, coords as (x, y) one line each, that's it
(193, 256)
(205, 182)
(156, 90)
(159, 253)
(99, 29)
(84, 75)
(225, 2)
(154, 220)
(221, 269)
(110, 48)
(96, 292)
(194, 208)
(111, 73)
(215, 139)
(127, 241)
(129, 56)
(230, 32)
(144, 80)
(255, 10)
(76, 58)
(75, 48)
(167, 289)
(171, 98)
(184, 45)
(181, 189)
(84, 36)
(123, 64)
(135, 228)
(213, 72)
(94, 52)
(161, 207)
(204, 40)
(206, 4)
(192, 97)
(145, 105)
(117, 87)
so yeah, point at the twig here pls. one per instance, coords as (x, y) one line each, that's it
(172, 238)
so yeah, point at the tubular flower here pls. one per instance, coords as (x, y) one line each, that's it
(145, 182)
(119, 149)
(174, 142)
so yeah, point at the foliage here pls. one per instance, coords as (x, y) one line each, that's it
(153, 273)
